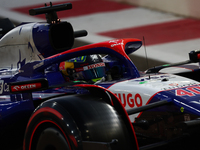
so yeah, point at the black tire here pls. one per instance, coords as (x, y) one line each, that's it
(77, 118)
(52, 139)
(46, 122)
(98, 121)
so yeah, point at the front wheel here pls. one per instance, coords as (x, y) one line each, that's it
(78, 122)
(52, 139)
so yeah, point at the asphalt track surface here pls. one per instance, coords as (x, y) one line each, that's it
(168, 38)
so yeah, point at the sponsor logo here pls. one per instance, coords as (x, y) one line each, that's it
(173, 84)
(117, 44)
(1, 86)
(94, 66)
(190, 91)
(90, 67)
(78, 69)
(16, 88)
(62, 66)
(130, 100)
(4, 87)
(178, 86)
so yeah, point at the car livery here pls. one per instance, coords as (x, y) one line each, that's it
(122, 108)
(140, 91)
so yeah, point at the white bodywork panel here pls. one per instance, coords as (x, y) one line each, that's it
(138, 92)
(18, 45)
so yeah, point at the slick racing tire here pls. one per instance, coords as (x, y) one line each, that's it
(49, 128)
(77, 122)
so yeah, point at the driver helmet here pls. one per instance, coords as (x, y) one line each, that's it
(87, 68)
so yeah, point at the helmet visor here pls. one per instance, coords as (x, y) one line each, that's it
(91, 72)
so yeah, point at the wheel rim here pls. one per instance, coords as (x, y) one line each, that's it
(52, 139)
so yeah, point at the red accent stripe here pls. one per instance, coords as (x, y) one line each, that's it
(180, 30)
(127, 116)
(160, 92)
(120, 103)
(45, 109)
(44, 121)
(81, 7)
(115, 45)
(42, 110)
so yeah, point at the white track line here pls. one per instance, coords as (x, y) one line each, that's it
(115, 20)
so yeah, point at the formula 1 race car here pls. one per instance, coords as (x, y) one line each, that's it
(56, 97)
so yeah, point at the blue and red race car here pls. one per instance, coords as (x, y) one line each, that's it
(53, 96)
